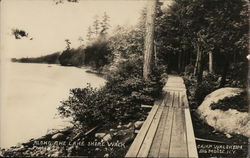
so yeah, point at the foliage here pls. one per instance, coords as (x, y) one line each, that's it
(72, 57)
(97, 54)
(68, 43)
(238, 75)
(125, 90)
(218, 26)
(208, 85)
(105, 23)
(238, 102)
(119, 100)
(99, 27)
(197, 92)
(127, 41)
(19, 33)
(96, 24)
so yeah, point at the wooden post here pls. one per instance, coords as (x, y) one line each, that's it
(149, 39)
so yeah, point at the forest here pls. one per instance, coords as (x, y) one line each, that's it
(205, 42)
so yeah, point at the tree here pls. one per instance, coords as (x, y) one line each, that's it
(214, 29)
(105, 24)
(68, 43)
(149, 39)
(96, 25)
(80, 39)
(89, 34)
(210, 60)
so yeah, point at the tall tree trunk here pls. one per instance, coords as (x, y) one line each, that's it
(197, 60)
(149, 39)
(225, 71)
(210, 54)
(198, 70)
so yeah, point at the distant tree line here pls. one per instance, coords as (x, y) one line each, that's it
(95, 54)
(48, 59)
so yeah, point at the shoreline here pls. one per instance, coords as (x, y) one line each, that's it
(36, 117)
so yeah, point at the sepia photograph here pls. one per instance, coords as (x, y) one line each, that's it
(124, 78)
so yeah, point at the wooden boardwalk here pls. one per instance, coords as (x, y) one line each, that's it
(168, 130)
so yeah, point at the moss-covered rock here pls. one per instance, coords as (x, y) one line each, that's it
(225, 117)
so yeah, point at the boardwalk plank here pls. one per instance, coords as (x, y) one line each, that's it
(178, 145)
(154, 150)
(136, 145)
(151, 132)
(164, 149)
(192, 150)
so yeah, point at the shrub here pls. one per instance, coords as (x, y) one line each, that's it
(97, 54)
(88, 106)
(238, 75)
(198, 92)
(208, 85)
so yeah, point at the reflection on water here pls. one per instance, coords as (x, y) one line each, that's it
(30, 94)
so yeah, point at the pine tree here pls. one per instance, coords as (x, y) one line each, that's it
(67, 44)
(105, 23)
(89, 34)
(80, 39)
(96, 25)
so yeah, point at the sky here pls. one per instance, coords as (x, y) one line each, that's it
(50, 24)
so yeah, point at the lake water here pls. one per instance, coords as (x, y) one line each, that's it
(30, 95)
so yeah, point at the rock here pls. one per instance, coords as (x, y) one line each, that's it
(234, 83)
(107, 137)
(49, 148)
(204, 73)
(58, 136)
(100, 135)
(122, 133)
(228, 135)
(2, 152)
(219, 79)
(130, 124)
(138, 124)
(106, 155)
(55, 154)
(111, 130)
(229, 121)
(119, 126)
(70, 149)
(77, 148)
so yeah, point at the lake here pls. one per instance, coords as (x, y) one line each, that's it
(30, 95)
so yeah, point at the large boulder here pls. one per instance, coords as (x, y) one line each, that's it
(230, 120)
